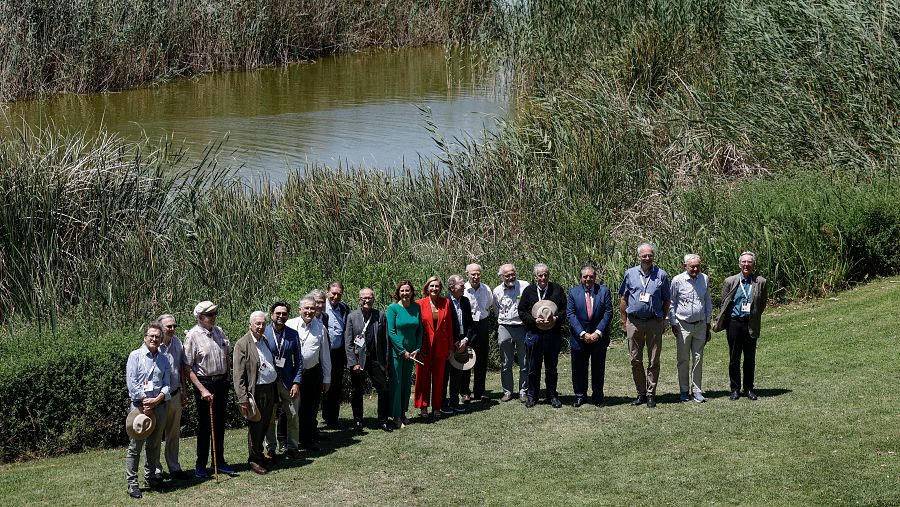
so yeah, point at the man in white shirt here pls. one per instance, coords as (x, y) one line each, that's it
(481, 299)
(511, 332)
(316, 351)
(690, 315)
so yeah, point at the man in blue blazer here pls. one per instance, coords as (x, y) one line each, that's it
(284, 343)
(589, 310)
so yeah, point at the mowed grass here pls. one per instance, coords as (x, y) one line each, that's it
(826, 430)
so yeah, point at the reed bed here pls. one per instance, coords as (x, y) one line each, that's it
(94, 45)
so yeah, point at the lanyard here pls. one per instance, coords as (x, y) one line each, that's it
(646, 281)
(152, 366)
(746, 292)
(539, 295)
(366, 325)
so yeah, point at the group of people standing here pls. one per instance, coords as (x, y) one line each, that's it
(283, 371)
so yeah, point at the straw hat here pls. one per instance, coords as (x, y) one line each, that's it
(138, 425)
(463, 360)
(205, 307)
(252, 414)
(544, 309)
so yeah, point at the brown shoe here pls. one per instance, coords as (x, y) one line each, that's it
(294, 454)
(506, 397)
(271, 455)
(258, 469)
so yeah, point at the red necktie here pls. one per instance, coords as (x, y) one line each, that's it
(588, 303)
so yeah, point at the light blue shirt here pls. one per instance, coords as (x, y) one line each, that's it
(143, 366)
(744, 293)
(174, 352)
(336, 322)
(656, 283)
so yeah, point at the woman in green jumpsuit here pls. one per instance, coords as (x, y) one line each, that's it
(404, 329)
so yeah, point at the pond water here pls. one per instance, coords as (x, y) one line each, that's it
(357, 108)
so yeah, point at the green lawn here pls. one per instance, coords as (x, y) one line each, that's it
(826, 430)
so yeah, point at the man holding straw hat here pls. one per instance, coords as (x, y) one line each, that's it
(254, 383)
(148, 376)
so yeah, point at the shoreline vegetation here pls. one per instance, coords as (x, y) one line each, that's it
(708, 127)
(106, 45)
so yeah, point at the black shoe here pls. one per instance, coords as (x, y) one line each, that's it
(640, 400)
(579, 402)
(529, 403)
(179, 475)
(555, 403)
(598, 403)
(751, 395)
(358, 427)
(135, 492)
(332, 425)
(385, 427)
(312, 447)
(154, 482)
(734, 395)
(651, 401)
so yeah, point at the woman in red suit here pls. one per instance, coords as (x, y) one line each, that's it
(437, 340)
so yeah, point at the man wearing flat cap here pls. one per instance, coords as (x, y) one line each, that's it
(206, 354)
(255, 380)
(542, 332)
(148, 376)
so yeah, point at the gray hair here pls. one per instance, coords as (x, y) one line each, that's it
(539, 265)
(645, 245)
(472, 267)
(166, 316)
(587, 265)
(500, 269)
(309, 297)
(691, 256)
(454, 280)
(748, 252)
(317, 293)
(257, 314)
(336, 283)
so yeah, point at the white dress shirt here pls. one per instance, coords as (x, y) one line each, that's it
(314, 345)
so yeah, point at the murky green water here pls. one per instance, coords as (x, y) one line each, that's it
(358, 108)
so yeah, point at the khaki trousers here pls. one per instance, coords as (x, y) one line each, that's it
(690, 340)
(643, 333)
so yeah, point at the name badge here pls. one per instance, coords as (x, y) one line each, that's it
(148, 385)
(645, 297)
(745, 307)
(359, 341)
(279, 362)
(476, 316)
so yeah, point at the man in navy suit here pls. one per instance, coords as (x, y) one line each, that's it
(589, 310)
(284, 343)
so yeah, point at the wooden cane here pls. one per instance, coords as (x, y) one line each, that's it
(212, 428)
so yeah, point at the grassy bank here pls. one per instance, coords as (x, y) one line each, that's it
(824, 432)
(97, 45)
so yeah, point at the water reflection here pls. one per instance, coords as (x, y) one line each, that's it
(357, 108)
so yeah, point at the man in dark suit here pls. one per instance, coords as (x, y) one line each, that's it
(589, 310)
(463, 334)
(334, 316)
(743, 302)
(366, 348)
(543, 336)
(284, 343)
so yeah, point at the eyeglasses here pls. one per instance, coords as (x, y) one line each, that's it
(170, 326)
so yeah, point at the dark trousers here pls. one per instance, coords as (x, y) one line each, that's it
(596, 354)
(219, 390)
(545, 351)
(453, 379)
(740, 341)
(482, 349)
(266, 396)
(331, 401)
(376, 374)
(310, 396)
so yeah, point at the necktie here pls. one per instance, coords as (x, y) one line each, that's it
(588, 303)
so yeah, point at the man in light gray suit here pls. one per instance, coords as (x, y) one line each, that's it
(743, 302)
(365, 341)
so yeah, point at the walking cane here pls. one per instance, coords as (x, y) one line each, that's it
(212, 428)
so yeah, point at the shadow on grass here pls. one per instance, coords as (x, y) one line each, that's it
(762, 393)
